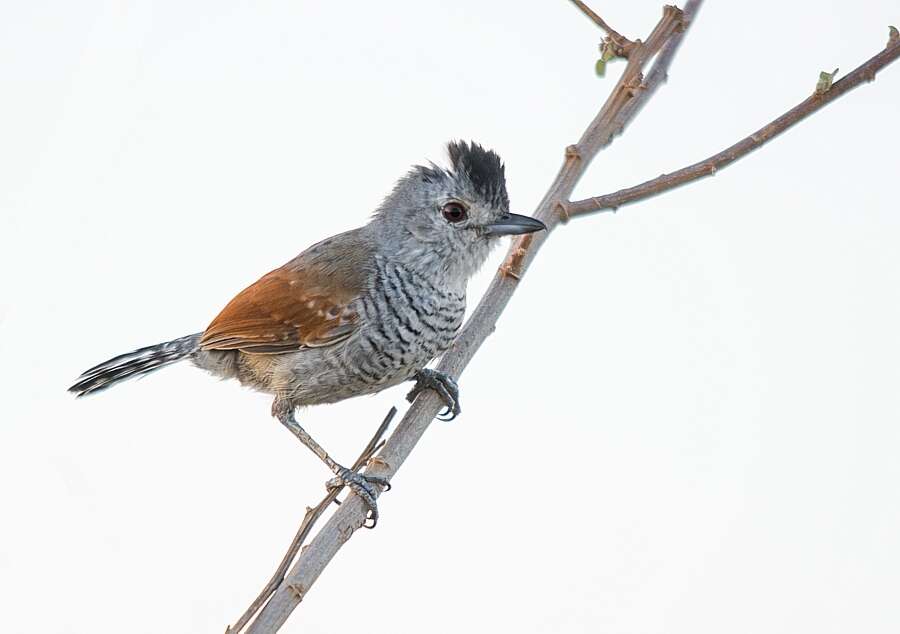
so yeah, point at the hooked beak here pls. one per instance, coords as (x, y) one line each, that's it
(513, 224)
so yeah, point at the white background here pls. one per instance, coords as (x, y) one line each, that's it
(687, 420)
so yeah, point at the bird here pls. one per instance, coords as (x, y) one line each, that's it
(358, 312)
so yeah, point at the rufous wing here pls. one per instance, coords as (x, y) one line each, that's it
(300, 305)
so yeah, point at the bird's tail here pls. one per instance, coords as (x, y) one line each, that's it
(137, 363)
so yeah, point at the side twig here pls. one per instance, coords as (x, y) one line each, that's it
(342, 524)
(708, 167)
(309, 520)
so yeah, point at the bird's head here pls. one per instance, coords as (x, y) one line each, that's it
(449, 219)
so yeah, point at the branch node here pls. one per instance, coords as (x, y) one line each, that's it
(512, 266)
(825, 82)
(563, 210)
(379, 461)
(635, 85)
(572, 152)
(346, 532)
(617, 46)
(621, 44)
(506, 269)
(298, 590)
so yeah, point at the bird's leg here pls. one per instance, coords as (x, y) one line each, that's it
(359, 483)
(445, 386)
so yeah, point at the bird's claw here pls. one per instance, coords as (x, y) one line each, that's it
(446, 388)
(362, 485)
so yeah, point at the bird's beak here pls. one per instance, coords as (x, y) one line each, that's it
(513, 224)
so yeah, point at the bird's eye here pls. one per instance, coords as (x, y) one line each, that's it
(454, 212)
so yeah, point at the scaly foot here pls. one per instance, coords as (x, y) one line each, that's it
(446, 388)
(362, 485)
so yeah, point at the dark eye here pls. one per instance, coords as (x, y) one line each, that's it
(454, 212)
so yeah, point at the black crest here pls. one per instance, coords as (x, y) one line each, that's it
(483, 168)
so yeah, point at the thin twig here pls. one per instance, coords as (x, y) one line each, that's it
(309, 520)
(707, 167)
(342, 524)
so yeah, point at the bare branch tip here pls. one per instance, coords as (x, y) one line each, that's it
(893, 36)
(671, 12)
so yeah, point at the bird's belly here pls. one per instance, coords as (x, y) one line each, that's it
(316, 376)
(383, 353)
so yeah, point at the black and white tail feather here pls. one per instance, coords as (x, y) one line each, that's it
(136, 363)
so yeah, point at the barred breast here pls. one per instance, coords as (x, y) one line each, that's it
(410, 319)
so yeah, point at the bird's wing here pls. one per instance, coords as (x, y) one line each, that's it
(307, 303)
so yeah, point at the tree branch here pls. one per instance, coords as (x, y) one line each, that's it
(630, 93)
(351, 515)
(707, 167)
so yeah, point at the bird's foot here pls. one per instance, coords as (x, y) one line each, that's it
(363, 486)
(446, 388)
